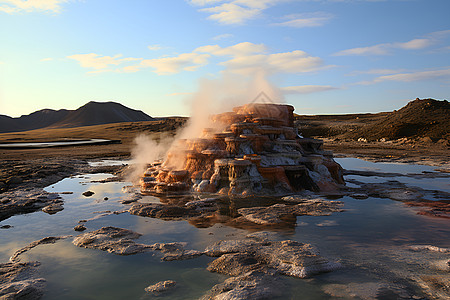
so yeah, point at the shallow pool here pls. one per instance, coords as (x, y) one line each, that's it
(370, 239)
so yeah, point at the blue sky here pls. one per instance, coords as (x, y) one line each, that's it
(322, 56)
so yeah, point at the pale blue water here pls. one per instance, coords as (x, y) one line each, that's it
(368, 239)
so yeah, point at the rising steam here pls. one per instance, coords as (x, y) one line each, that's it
(213, 96)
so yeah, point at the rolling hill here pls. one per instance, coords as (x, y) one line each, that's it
(92, 113)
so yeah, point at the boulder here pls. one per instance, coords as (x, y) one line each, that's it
(18, 281)
(160, 287)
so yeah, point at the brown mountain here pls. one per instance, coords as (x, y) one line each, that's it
(419, 118)
(92, 113)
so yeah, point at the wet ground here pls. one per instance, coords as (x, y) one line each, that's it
(379, 239)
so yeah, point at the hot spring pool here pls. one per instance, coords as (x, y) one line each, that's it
(371, 239)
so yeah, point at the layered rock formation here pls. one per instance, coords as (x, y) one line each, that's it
(256, 151)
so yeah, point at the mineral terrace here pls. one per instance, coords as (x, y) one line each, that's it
(253, 150)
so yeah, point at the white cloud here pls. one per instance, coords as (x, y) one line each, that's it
(222, 36)
(242, 58)
(154, 47)
(386, 48)
(171, 65)
(377, 72)
(380, 49)
(240, 49)
(414, 44)
(102, 63)
(204, 2)
(46, 59)
(248, 57)
(294, 62)
(14, 6)
(307, 89)
(413, 76)
(233, 11)
(306, 20)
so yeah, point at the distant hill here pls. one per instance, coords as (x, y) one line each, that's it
(92, 113)
(419, 118)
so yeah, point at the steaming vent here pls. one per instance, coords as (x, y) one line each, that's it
(252, 150)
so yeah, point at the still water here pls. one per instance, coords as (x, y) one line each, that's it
(370, 239)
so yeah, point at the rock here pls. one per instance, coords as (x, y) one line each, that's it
(406, 194)
(443, 142)
(282, 213)
(425, 140)
(203, 204)
(47, 240)
(437, 286)
(53, 208)
(161, 286)
(88, 193)
(14, 180)
(288, 257)
(80, 227)
(25, 201)
(443, 265)
(17, 281)
(6, 227)
(300, 198)
(429, 248)
(111, 239)
(181, 255)
(252, 285)
(162, 211)
(106, 198)
(121, 241)
(231, 246)
(235, 264)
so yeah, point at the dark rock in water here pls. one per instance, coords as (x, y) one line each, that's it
(106, 198)
(252, 285)
(88, 193)
(160, 287)
(6, 227)
(18, 281)
(53, 208)
(47, 240)
(162, 211)
(80, 227)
